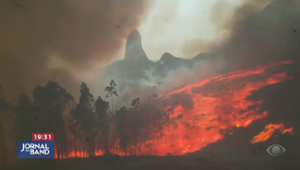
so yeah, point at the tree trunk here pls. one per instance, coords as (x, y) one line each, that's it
(91, 147)
(106, 137)
(64, 146)
(58, 150)
(75, 148)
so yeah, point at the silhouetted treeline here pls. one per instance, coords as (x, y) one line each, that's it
(90, 127)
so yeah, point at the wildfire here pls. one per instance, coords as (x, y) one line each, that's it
(270, 129)
(216, 106)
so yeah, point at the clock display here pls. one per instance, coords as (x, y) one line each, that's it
(42, 137)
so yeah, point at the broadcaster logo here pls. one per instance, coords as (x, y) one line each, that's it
(35, 149)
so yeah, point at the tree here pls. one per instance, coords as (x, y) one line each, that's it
(111, 89)
(135, 103)
(120, 116)
(84, 117)
(26, 114)
(101, 111)
(53, 101)
(76, 131)
(137, 120)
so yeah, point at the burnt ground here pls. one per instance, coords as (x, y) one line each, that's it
(264, 162)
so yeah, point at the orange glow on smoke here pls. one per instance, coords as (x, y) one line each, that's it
(270, 129)
(218, 105)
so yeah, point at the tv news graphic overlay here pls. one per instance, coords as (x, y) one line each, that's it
(42, 137)
(35, 149)
(275, 150)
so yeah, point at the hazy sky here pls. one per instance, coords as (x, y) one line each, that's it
(173, 23)
(173, 26)
(68, 41)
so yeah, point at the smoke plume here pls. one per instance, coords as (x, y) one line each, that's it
(257, 32)
(58, 40)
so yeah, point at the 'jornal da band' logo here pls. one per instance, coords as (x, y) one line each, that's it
(35, 149)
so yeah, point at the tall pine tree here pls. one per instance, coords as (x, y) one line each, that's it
(84, 116)
(101, 111)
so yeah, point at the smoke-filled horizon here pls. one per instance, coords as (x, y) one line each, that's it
(62, 41)
(256, 33)
(71, 43)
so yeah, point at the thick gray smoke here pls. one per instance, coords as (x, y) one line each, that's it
(58, 40)
(258, 32)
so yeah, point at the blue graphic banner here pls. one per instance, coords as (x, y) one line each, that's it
(35, 149)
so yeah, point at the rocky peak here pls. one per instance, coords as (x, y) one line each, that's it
(167, 56)
(134, 49)
(134, 36)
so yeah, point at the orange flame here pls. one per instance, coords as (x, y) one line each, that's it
(270, 129)
(218, 105)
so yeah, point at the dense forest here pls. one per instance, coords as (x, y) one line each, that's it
(91, 127)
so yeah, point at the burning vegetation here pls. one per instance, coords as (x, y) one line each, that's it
(269, 131)
(179, 122)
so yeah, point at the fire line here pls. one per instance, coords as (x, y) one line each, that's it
(219, 104)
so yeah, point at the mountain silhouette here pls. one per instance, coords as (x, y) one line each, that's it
(135, 64)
